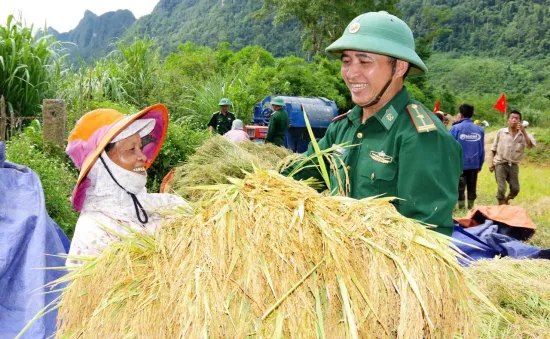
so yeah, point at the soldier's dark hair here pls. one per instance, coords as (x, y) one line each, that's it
(439, 115)
(466, 110)
(514, 112)
(393, 63)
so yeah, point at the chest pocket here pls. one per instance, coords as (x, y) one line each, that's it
(378, 178)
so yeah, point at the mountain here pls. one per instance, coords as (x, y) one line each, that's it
(210, 22)
(512, 28)
(492, 28)
(94, 34)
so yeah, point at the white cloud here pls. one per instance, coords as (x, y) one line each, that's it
(64, 15)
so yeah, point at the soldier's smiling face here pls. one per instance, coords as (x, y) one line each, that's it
(365, 74)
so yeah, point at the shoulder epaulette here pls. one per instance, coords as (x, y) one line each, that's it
(215, 113)
(421, 119)
(341, 116)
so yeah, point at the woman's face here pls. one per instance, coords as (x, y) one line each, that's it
(128, 154)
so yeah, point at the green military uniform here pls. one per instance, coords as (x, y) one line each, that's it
(221, 122)
(401, 151)
(278, 126)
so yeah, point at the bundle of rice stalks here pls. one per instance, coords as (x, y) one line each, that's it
(268, 257)
(521, 288)
(219, 158)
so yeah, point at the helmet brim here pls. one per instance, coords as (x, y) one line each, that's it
(374, 44)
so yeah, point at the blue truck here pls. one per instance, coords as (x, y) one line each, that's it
(320, 112)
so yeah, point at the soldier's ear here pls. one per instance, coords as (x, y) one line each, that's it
(401, 68)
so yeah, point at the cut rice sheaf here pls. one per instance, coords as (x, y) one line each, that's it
(268, 256)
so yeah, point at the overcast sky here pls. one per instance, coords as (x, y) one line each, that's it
(64, 15)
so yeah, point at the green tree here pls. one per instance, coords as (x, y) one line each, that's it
(323, 20)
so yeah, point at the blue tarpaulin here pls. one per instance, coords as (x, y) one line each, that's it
(28, 239)
(489, 243)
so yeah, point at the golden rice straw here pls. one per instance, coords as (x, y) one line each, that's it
(521, 289)
(267, 256)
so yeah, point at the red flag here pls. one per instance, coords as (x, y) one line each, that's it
(437, 106)
(501, 104)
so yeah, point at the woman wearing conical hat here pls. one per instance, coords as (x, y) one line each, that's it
(113, 152)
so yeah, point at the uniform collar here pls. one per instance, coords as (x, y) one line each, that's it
(388, 114)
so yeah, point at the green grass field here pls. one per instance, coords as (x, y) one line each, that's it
(534, 195)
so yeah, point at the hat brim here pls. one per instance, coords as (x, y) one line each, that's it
(157, 112)
(377, 45)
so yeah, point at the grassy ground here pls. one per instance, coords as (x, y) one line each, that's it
(534, 177)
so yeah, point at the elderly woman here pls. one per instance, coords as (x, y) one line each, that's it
(237, 133)
(113, 152)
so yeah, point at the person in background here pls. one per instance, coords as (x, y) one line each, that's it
(237, 133)
(506, 154)
(457, 119)
(472, 139)
(443, 117)
(221, 120)
(113, 152)
(278, 123)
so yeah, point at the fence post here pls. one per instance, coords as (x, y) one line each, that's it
(54, 117)
(3, 119)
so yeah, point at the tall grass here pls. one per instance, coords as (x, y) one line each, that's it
(30, 67)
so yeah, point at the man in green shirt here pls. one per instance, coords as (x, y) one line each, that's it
(278, 123)
(398, 147)
(221, 120)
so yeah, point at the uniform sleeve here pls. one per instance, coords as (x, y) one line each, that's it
(428, 181)
(273, 120)
(213, 121)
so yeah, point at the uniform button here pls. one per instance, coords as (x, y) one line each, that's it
(359, 135)
(348, 168)
(372, 176)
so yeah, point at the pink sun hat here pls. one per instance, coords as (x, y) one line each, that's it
(96, 129)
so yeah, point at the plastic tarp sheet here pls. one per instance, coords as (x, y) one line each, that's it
(489, 242)
(29, 241)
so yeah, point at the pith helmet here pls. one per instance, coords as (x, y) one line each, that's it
(225, 102)
(380, 33)
(278, 101)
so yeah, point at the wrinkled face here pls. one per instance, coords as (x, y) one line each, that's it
(128, 154)
(514, 120)
(365, 74)
(224, 108)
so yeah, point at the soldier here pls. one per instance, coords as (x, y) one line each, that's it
(400, 149)
(221, 120)
(278, 123)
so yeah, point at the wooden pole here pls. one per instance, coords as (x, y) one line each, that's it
(54, 117)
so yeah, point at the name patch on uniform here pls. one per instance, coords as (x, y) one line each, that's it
(421, 119)
(381, 157)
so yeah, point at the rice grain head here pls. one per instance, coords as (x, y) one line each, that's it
(267, 256)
